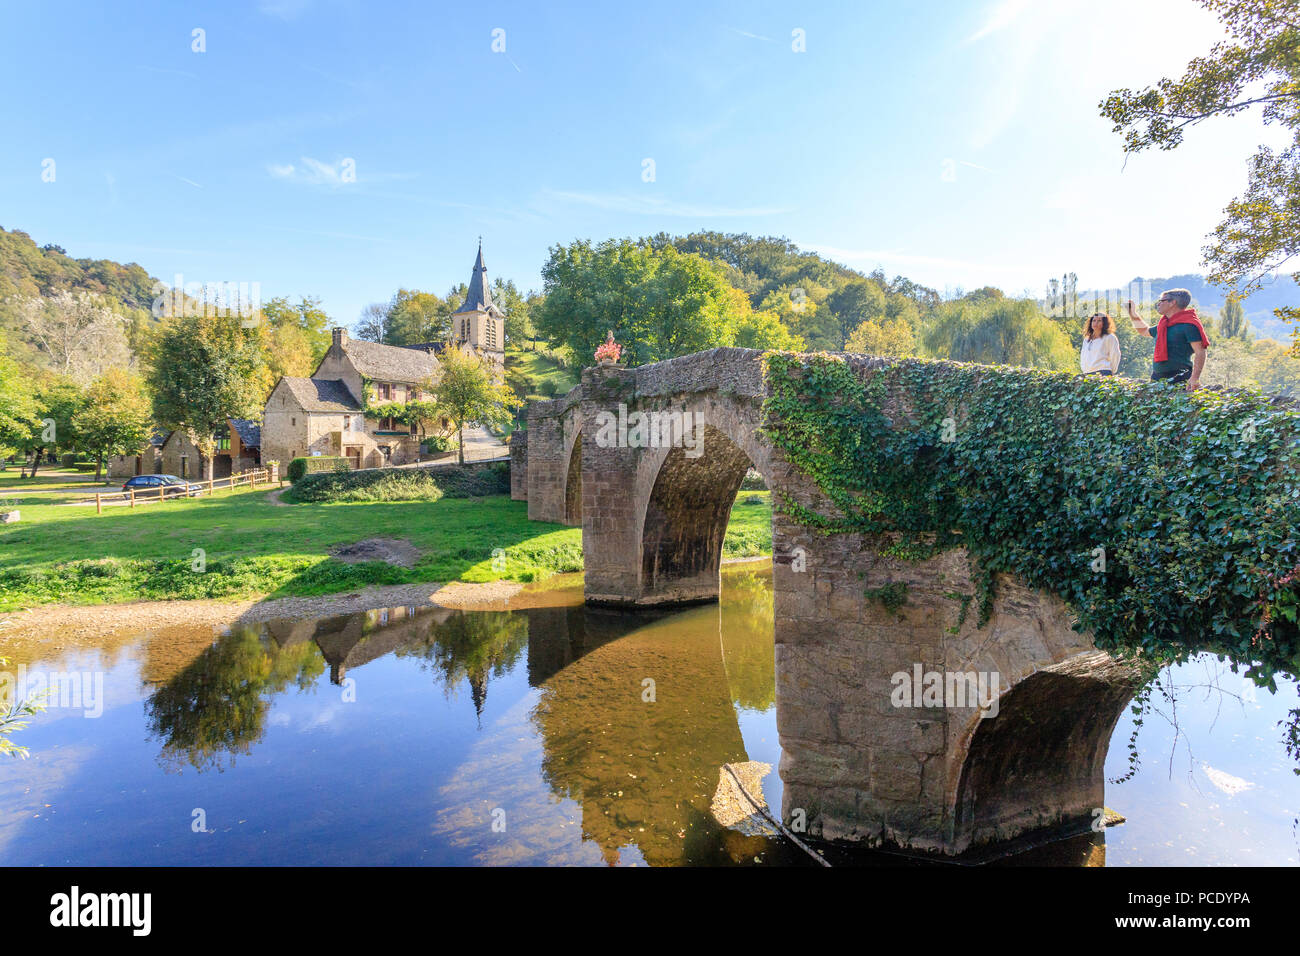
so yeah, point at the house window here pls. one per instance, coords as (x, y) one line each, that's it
(414, 430)
(222, 438)
(293, 421)
(385, 392)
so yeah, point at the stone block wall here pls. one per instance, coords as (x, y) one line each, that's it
(519, 464)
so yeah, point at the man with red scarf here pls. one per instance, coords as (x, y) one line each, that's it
(1181, 342)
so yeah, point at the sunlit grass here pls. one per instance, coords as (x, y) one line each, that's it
(249, 546)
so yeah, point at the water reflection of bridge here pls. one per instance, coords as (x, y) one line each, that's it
(638, 773)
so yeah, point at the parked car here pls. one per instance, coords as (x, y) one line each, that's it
(162, 486)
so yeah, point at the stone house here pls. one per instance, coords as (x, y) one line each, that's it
(237, 449)
(146, 461)
(326, 413)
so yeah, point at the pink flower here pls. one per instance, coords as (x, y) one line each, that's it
(609, 349)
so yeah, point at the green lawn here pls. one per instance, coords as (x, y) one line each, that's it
(55, 479)
(538, 368)
(250, 546)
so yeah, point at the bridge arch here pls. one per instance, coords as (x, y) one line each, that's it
(684, 495)
(573, 480)
(1039, 765)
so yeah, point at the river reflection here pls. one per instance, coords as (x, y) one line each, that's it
(544, 733)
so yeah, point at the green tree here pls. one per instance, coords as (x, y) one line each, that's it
(854, 303)
(204, 370)
(415, 316)
(306, 319)
(885, 336)
(20, 420)
(997, 331)
(1232, 318)
(658, 302)
(515, 306)
(116, 418)
(470, 390)
(765, 330)
(1256, 66)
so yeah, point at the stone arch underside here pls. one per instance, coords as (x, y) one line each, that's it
(1039, 765)
(685, 519)
(573, 484)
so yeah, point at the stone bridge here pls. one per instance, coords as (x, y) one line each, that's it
(649, 461)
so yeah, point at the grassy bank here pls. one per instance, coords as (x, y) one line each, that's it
(248, 546)
(537, 368)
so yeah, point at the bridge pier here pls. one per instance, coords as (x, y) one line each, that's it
(870, 755)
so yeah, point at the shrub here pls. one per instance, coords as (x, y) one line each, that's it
(318, 463)
(403, 484)
(436, 444)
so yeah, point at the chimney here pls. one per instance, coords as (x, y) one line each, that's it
(340, 337)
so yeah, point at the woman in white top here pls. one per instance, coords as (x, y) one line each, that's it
(1100, 353)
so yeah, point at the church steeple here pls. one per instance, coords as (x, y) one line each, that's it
(479, 297)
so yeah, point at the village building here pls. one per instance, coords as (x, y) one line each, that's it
(236, 449)
(331, 413)
(146, 461)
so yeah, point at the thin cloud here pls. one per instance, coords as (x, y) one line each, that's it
(650, 206)
(752, 36)
(190, 181)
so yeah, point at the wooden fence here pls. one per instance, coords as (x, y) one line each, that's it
(163, 492)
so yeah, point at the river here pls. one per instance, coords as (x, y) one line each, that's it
(547, 733)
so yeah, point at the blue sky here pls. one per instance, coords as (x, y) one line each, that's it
(957, 143)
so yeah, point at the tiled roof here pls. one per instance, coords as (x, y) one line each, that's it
(391, 363)
(250, 432)
(321, 395)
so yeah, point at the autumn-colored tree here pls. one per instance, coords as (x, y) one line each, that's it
(116, 418)
(470, 389)
(204, 370)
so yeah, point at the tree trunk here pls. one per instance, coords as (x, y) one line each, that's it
(99, 465)
(36, 461)
(460, 441)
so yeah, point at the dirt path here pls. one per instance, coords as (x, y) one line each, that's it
(86, 623)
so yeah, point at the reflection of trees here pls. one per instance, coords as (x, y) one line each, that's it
(1163, 694)
(644, 772)
(472, 645)
(748, 626)
(217, 704)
